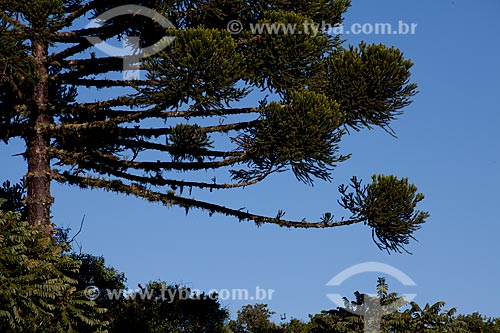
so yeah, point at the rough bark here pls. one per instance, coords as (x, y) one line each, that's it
(39, 199)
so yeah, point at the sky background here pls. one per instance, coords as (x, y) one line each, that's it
(448, 145)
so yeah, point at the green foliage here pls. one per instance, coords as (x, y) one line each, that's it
(199, 69)
(12, 196)
(94, 272)
(159, 308)
(427, 320)
(295, 326)
(188, 140)
(387, 205)
(303, 134)
(253, 318)
(37, 293)
(477, 323)
(39, 14)
(284, 61)
(370, 83)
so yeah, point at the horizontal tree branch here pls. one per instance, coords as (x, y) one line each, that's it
(9, 131)
(75, 12)
(128, 132)
(122, 164)
(170, 199)
(102, 108)
(156, 132)
(114, 121)
(142, 144)
(96, 83)
(83, 44)
(112, 102)
(160, 181)
(79, 68)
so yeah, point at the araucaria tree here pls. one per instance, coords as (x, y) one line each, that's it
(189, 110)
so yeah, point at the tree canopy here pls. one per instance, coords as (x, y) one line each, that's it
(185, 114)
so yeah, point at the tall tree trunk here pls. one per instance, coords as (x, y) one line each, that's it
(38, 178)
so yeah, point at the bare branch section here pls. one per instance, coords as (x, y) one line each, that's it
(170, 199)
(153, 146)
(97, 158)
(103, 108)
(96, 83)
(82, 67)
(156, 132)
(104, 33)
(74, 13)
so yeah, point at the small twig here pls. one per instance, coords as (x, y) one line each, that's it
(80, 247)
(79, 230)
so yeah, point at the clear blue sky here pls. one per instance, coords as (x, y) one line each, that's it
(448, 144)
